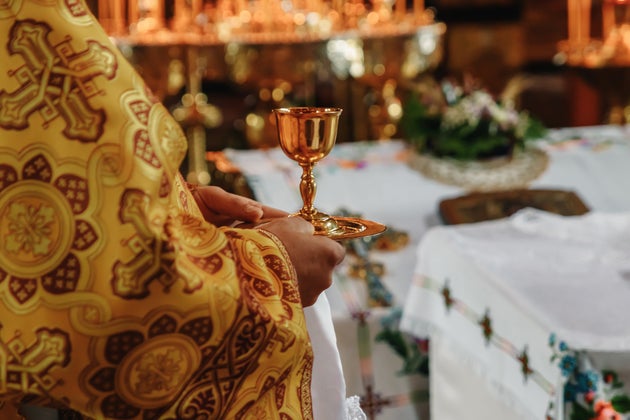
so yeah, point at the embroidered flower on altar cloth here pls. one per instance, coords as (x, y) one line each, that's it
(589, 394)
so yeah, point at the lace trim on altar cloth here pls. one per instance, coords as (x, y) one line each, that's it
(353, 409)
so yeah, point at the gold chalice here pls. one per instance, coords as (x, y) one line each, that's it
(307, 135)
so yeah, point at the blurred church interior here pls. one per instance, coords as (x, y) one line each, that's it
(221, 66)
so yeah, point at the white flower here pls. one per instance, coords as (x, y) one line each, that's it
(470, 109)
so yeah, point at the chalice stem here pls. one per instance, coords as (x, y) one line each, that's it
(308, 188)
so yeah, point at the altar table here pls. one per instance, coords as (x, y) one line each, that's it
(492, 295)
(374, 179)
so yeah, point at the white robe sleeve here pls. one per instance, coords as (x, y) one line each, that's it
(328, 385)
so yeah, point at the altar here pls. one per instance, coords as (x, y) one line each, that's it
(375, 180)
(523, 306)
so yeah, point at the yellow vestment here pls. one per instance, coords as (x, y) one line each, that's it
(116, 299)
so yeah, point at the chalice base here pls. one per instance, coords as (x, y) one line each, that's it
(338, 228)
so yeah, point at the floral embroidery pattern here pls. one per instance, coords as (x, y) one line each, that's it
(30, 228)
(486, 326)
(485, 323)
(446, 294)
(524, 359)
(589, 394)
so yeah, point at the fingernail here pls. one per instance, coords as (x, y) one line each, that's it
(252, 209)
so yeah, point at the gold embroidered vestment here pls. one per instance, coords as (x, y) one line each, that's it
(116, 299)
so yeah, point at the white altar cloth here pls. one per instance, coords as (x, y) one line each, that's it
(531, 276)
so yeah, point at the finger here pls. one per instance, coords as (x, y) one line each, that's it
(338, 251)
(298, 224)
(229, 205)
(289, 223)
(340, 254)
(272, 212)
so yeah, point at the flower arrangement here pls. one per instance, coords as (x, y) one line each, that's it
(465, 122)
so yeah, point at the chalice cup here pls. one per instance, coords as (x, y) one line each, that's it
(307, 135)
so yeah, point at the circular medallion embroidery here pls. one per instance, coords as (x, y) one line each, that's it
(9, 8)
(36, 227)
(46, 229)
(154, 372)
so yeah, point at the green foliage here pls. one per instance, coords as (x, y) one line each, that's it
(472, 126)
(581, 413)
(414, 359)
(621, 403)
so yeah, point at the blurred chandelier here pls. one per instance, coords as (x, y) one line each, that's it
(583, 47)
(281, 49)
(255, 21)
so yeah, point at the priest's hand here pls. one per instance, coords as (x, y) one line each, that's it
(314, 257)
(222, 208)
